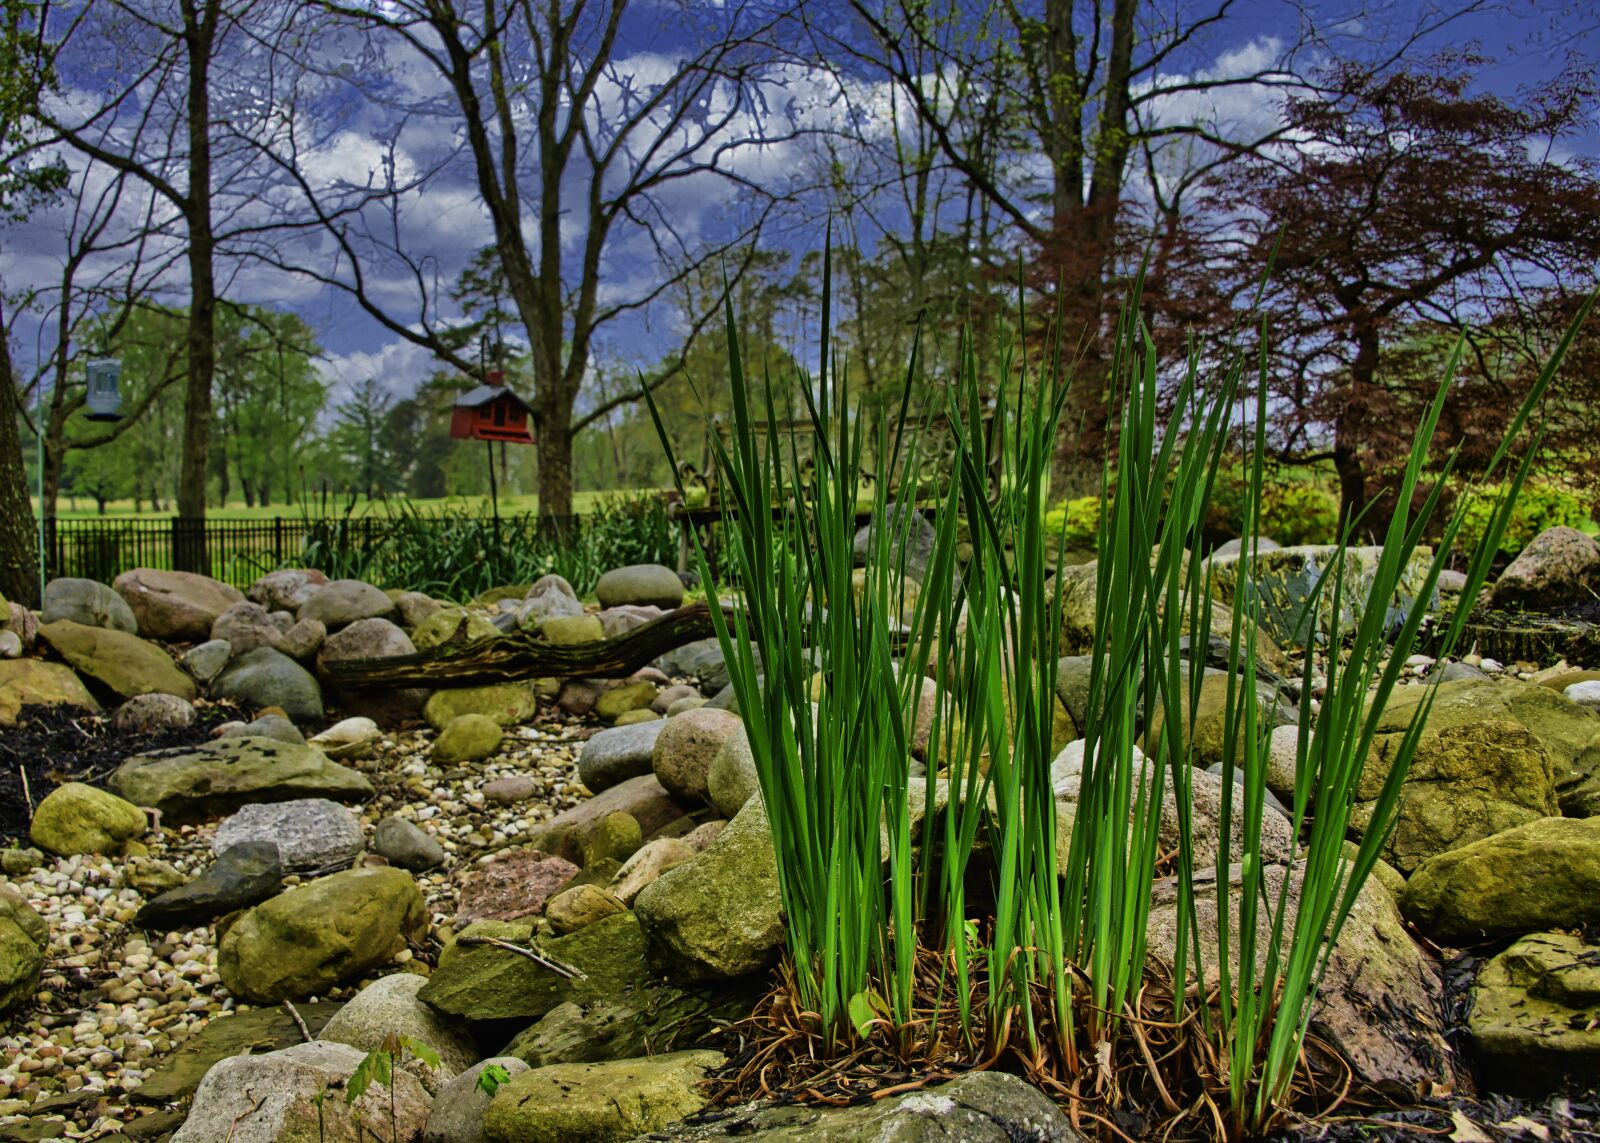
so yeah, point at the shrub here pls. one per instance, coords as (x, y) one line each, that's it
(1541, 505)
(1075, 522)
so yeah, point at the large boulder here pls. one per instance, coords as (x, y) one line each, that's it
(979, 1107)
(647, 584)
(308, 939)
(1535, 1018)
(1560, 567)
(75, 818)
(1381, 1003)
(731, 780)
(390, 1004)
(1542, 875)
(345, 601)
(242, 875)
(1078, 587)
(506, 703)
(484, 982)
(312, 834)
(198, 783)
(123, 664)
(29, 682)
(174, 606)
(88, 602)
(23, 940)
(286, 589)
(686, 747)
(267, 677)
(720, 915)
(1285, 580)
(1569, 733)
(615, 755)
(1466, 782)
(296, 1094)
(599, 1103)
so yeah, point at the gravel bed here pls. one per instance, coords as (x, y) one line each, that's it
(114, 998)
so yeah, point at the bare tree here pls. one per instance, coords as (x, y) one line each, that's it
(594, 160)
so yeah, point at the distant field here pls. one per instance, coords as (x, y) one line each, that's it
(509, 505)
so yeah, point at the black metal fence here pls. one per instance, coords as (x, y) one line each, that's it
(235, 551)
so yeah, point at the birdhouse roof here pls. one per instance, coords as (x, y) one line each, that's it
(484, 394)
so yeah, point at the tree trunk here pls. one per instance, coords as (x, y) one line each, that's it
(19, 537)
(555, 460)
(200, 25)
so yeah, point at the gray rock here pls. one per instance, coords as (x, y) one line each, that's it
(648, 584)
(282, 620)
(174, 606)
(980, 1107)
(908, 526)
(246, 626)
(618, 621)
(414, 607)
(303, 640)
(10, 644)
(144, 714)
(615, 755)
(287, 589)
(205, 661)
(460, 1105)
(348, 738)
(549, 598)
(1458, 670)
(1286, 580)
(345, 601)
(88, 602)
(403, 843)
(1561, 566)
(267, 677)
(686, 747)
(366, 639)
(194, 784)
(273, 726)
(732, 780)
(243, 875)
(310, 833)
(281, 1096)
(641, 798)
(1235, 547)
(514, 788)
(390, 1004)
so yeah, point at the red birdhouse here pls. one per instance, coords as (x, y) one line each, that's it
(491, 412)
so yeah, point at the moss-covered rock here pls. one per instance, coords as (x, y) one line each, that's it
(599, 1103)
(194, 784)
(75, 818)
(482, 982)
(1535, 1016)
(571, 630)
(468, 738)
(1466, 783)
(314, 936)
(718, 916)
(26, 682)
(506, 703)
(442, 624)
(23, 938)
(1542, 875)
(124, 664)
(637, 695)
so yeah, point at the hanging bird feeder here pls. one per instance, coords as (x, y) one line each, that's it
(104, 394)
(491, 412)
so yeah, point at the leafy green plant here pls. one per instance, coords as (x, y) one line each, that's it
(1540, 505)
(377, 1067)
(492, 1078)
(1075, 521)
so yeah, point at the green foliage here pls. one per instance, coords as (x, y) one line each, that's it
(1075, 522)
(1540, 505)
(377, 1067)
(1293, 509)
(492, 1078)
(452, 553)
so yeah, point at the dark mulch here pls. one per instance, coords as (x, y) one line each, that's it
(1588, 611)
(50, 745)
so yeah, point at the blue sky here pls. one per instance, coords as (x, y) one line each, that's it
(353, 128)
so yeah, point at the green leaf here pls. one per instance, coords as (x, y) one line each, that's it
(862, 1014)
(376, 1067)
(422, 1051)
(492, 1078)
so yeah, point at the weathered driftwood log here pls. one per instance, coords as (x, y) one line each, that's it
(521, 655)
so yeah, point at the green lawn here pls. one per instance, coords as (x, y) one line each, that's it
(582, 502)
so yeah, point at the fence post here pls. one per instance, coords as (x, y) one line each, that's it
(277, 541)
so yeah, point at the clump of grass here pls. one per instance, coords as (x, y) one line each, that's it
(1048, 960)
